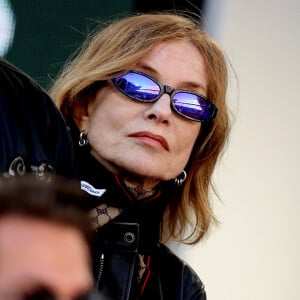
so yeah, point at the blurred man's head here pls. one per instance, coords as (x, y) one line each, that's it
(43, 241)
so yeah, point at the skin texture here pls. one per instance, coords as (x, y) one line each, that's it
(147, 143)
(35, 253)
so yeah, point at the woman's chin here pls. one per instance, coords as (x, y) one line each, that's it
(143, 175)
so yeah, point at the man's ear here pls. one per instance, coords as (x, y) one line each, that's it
(80, 114)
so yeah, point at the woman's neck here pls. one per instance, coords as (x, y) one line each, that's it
(141, 188)
(140, 192)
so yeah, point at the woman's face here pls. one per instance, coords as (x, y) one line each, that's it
(148, 142)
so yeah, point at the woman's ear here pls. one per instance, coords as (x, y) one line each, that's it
(80, 114)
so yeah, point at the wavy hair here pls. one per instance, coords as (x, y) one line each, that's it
(117, 48)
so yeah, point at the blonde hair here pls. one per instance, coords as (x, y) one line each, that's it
(117, 48)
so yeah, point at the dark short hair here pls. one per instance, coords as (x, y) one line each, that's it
(59, 201)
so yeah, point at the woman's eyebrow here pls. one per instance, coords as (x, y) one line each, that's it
(194, 85)
(148, 68)
(186, 84)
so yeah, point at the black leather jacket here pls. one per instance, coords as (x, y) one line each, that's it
(169, 277)
(33, 133)
(119, 244)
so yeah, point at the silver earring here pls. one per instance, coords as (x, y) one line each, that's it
(180, 179)
(83, 141)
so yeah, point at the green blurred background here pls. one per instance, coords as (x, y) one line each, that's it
(44, 33)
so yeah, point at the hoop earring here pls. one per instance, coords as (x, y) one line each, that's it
(83, 141)
(180, 179)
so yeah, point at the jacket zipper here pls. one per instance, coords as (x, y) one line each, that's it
(101, 265)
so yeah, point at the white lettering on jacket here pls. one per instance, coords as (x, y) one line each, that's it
(88, 188)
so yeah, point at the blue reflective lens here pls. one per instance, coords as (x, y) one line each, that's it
(138, 87)
(193, 106)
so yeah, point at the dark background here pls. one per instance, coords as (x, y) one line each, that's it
(48, 32)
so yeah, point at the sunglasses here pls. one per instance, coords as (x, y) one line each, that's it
(144, 88)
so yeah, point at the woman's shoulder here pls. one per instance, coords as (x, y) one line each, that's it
(179, 273)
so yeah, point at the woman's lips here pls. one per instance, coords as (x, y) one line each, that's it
(151, 138)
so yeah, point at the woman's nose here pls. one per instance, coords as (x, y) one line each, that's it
(159, 111)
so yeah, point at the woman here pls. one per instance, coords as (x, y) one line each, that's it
(145, 101)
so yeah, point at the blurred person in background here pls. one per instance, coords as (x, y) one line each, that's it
(33, 135)
(44, 237)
